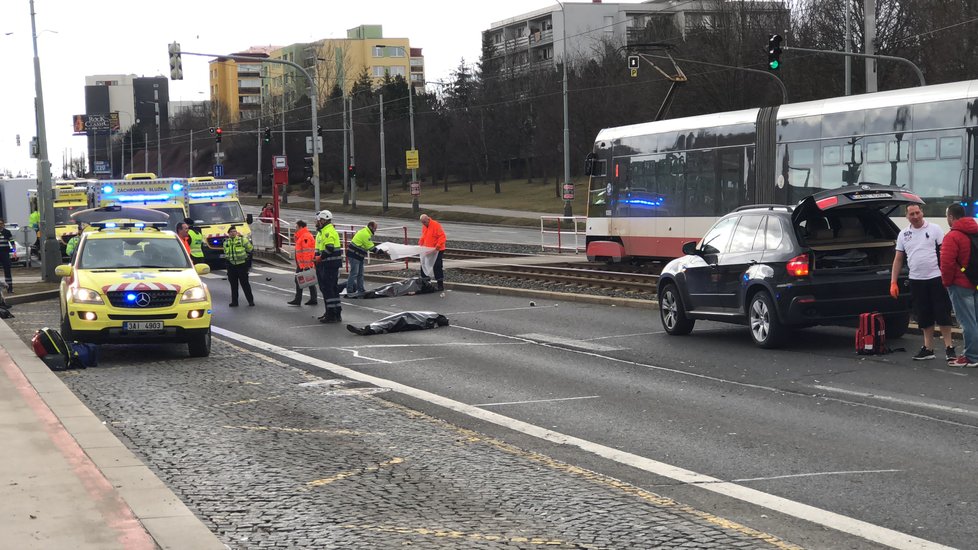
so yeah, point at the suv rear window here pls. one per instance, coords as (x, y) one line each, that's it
(853, 225)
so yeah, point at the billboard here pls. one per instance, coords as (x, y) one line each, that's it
(100, 122)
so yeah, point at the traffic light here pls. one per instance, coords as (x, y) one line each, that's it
(307, 167)
(774, 52)
(218, 134)
(176, 65)
(352, 170)
(268, 135)
(319, 131)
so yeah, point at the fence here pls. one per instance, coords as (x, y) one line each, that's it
(554, 236)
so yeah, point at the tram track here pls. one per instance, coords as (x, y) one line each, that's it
(573, 278)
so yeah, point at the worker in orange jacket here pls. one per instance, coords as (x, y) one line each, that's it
(433, 236)
(305, 252)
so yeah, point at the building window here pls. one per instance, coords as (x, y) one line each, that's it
(609, 24)
(378, 71)
(379, 51)
(396, 51)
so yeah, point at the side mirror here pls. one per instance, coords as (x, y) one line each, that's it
(250, 219)
(689, 248)
(63, 270)
(202, 269)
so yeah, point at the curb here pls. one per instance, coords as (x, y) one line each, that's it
(32, 297)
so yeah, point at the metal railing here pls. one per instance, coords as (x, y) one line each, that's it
(554, 236)
(347, 235)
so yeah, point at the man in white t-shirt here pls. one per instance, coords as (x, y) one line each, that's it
(920, 244)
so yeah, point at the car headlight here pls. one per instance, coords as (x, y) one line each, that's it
(194, 294)
(85, 296)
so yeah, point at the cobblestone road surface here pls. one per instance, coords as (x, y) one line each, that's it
(273, 456)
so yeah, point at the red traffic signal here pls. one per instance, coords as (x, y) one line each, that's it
(218, 134)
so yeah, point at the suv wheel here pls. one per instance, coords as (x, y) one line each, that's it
(66, 328)
(672, 313)
(200, 344)
(765, 328)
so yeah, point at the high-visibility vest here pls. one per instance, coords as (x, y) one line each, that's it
(328, 243)
(35, 219)
(360, 244)
(196, 240)
(72, 244)
(305, 248)
(236, 250)
(432, 235)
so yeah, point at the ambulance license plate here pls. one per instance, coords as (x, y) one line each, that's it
(143, 326)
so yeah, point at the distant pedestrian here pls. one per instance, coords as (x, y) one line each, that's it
(356, 253)
(329, 257)
(183, 231)
(72, 244)
(920, 244)
(433, 236)
(267, 213)
(35, 222)
(955, 253)
(6, 239)
(236, 250)
(305, 255)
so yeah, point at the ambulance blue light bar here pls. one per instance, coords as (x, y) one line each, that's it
(209, 194)
(107, 189)
(144, 198)
(177, 187)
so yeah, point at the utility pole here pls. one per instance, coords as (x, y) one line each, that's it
(869, 32)
(50, 249)
(383, 161)
(145, 151)
(159, 152)
(346, 157)
(191, 174)
(353, 162)
(414, 171)
(260, 139)
(848, 47)
(285, 187)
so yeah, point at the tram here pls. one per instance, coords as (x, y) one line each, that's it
(657, 185)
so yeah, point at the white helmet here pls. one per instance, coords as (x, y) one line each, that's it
(324, 215)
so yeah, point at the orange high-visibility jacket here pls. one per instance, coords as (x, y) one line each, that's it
(433, 235)
(305, 248)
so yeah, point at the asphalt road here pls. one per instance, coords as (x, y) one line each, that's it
(882, 440)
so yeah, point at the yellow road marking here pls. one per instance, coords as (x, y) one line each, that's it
(470, 436)
(351, 473)
(300, 430)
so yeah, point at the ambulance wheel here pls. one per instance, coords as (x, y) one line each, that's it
(66, 329)
(200, 344)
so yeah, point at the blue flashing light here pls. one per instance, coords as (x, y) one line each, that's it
(209, 194)
(964, 203)
(131, 297)
(177, 187)
(111, 224)
(139, 225)
(645, 202)
(107, 189)
(144, 198)
(230, 186)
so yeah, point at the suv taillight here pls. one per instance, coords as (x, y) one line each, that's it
(798, 266)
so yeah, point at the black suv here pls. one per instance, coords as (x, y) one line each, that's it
(776, 267)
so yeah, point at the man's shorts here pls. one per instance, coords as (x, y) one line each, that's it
(931, 303)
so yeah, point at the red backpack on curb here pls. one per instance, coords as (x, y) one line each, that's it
(51, 348)
(871, 335)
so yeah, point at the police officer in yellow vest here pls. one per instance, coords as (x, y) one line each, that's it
(73, 242)
(196, 241)
(329, 258)
(236, 250)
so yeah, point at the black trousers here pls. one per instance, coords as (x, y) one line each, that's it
(327, 272)
(238, 274)
(312, 290)
(5, 262)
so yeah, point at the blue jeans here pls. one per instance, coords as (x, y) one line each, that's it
(354, 281)
(965, 301)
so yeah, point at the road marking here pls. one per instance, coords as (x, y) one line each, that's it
(569, 342)
(909, 402)
(275, 270)
(536, 401)
(498, 310)
(815, 474)
(330, 382)
(359, 471)
(214, 276)
(832, 520)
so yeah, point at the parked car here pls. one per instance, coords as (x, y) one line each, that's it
(776, 268)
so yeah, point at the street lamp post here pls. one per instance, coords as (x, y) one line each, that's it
(568, 206)
(383, 159)
(50, 250)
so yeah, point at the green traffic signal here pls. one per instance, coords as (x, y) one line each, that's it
(774, 52)
(773, 65)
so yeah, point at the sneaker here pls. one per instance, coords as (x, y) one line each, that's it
(950, 353)
(963, 362)
(923, 354)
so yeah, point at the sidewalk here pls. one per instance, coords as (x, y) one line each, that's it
(67, 481)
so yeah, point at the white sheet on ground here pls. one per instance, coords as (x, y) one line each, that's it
(425, 254)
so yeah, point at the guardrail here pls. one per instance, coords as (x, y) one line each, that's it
(347, 235)
(551, 230)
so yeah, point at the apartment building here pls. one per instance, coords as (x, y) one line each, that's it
(577, 32)
(236, 85)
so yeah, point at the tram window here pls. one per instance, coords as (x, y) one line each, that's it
(951, 147)
(941, 114)
(743, 236)
(800, 171)
(852, 123)
(888, 119)
(740, 134)
(899, 151)
(925, 149)
(831, 155)
(733, 188)
(801, 128)
(670, 178)
(876, 152)
(701, 186)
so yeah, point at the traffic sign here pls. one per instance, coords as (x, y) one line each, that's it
(218, 170)
(411, 158)
(416, 188)
(319, 144)
(568, 191)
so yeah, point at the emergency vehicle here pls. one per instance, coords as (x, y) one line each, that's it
(168, 195)
(214, 207)
(132, 281)
(69, 197)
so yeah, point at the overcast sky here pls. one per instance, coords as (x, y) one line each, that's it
(86, 37)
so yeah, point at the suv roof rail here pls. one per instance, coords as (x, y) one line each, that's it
(767, 206)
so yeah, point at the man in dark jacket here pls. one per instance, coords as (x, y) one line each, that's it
(955, 253)
(6, 240)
